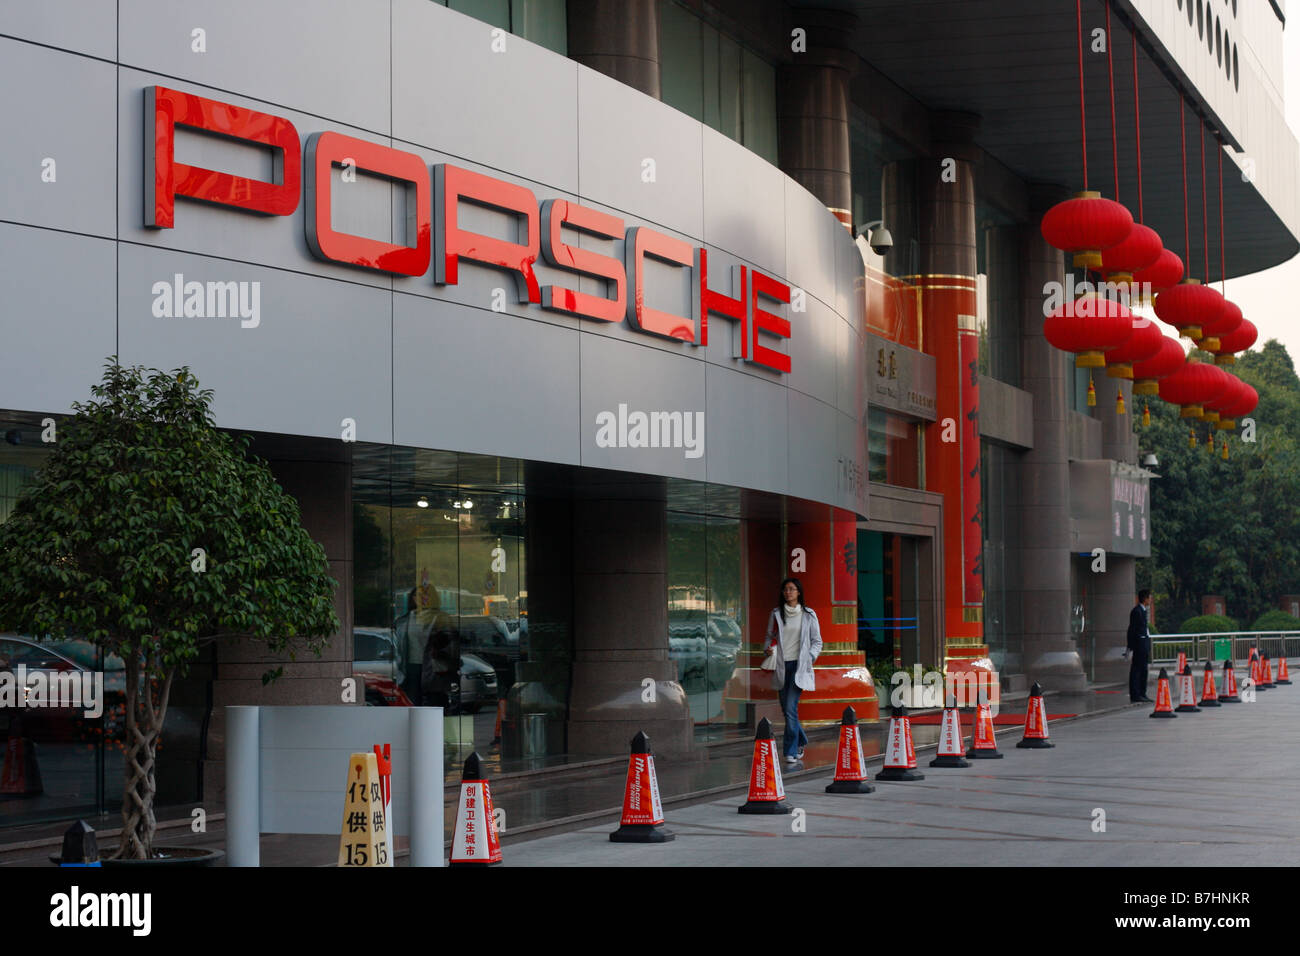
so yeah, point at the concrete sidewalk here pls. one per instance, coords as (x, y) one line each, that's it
(1215, 788)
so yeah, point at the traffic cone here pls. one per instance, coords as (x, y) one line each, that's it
(900, 755)
(766, 791)
(950, 739)
(1164, 702)
(21, 775)
(643, 813)
(1282, 676)
(1209, 693)
(1186, 693)
(1229, 695)
(983, 745)
(475, 841)
(850, 774)
(1182, 662)
(1265, 673)
(1035, 737)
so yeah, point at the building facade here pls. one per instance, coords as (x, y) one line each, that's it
(563, 322)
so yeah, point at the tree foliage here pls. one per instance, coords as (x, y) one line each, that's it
(1227, 527)
(151, 533)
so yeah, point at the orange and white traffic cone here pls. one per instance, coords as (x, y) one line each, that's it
(1182, 662)
(643, 812)
(1164, 700)
(950, 754)
(900, 755)
(1229, 695)
(475, 842)
(766, 791)
(850, 774)
(1282, 676)
(1265, 673)
(1209, 693)
(1186, 693)
(983, 745)
(1035, 737)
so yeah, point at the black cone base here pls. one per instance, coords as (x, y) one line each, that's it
(949, 760)
(1034, 744)
(1263, 687)
(479, 865)
(898, 773)
(850, 786)
(974, 754)
(1163, 713)
(1281, 682)
(1186, 709)
(1225, 699)
(1209, 702)
(764, 806)
(642, 833)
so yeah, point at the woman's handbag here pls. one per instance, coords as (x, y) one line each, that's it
(769, 662)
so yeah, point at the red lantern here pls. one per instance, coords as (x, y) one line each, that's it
(1154, 279)
(1227, 394)
(1142, 344)
(1166, 362)
(1245, 402)
(1191, 387)
(1238, 340)
(1089, 326)
(1085, 225)
(1229, 321)
(1189, 307)
(1139, 251)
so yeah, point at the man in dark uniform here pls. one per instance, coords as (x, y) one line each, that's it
(1139, 645)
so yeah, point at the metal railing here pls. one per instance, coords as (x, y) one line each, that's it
(1201, 647)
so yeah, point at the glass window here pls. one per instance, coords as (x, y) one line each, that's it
(893, 449)
(682, 75)
(759, 97)
(495, 12)
(543, 22)
(997, 255)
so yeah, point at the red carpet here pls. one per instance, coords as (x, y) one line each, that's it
(1001, 720)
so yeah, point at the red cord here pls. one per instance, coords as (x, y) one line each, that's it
(1083, 122)
(1205, 214)
(1110, 70)
(1137, 126)
(1223, 270)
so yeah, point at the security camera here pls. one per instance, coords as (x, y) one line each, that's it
(881, 241)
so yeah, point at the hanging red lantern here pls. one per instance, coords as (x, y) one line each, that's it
(1189, 306)
(1212, 333)
(1226, 394)
(1139, 251)
(1167, 361)
(1089, 326)
(1086, 225)
(1163, 274)
(1238, 340)
(1191, 387)
(1142, 344)
(1246, 401)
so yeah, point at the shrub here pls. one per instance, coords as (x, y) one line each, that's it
(1276, 620)
(1207, 624)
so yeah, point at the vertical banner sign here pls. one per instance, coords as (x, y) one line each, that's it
(844, 562)
(363, 841)
(971, 499)
(641, 796)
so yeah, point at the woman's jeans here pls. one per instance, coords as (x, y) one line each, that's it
(794, 737)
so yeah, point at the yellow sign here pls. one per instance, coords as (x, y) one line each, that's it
(363, 840)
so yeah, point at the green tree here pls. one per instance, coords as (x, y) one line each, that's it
(151, 533)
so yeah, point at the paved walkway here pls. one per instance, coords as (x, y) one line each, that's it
(1213, 788)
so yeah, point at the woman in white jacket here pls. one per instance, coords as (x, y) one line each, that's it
(795, 639)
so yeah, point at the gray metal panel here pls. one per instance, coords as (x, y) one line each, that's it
(278, 241)
(744, 204)
(851, 473)
(850, 370)
(514, 110)
(327, 57)
(619, 128)
(474, 380)
(83, 26)
(850, 282)
(644, 380)
(57, 326)
(814, 448)
(321, 352)
(812, 348)
(61, 108)
(747, 427)
(810, 243)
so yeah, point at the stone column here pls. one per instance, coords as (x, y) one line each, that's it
(619, 38)
(813, 110)
(318, 474)
(1049, 651)
(1113, 596)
